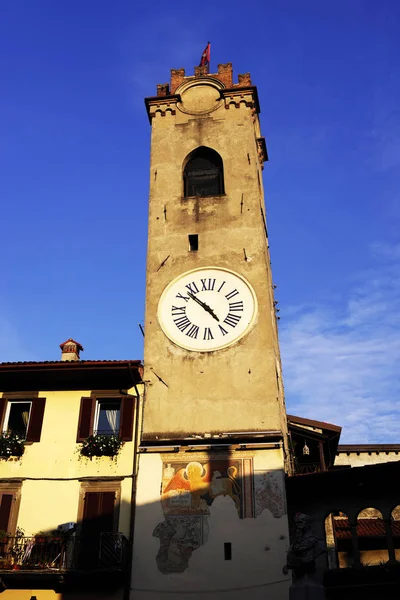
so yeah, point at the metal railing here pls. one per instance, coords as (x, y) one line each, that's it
(311, 467)
(53, 553)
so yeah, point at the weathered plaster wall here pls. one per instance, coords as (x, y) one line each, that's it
(41, 594)
(359, 459)
(206, 517)
(27, 595)
(231, 389)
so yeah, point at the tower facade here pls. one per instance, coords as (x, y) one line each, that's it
(214, 439)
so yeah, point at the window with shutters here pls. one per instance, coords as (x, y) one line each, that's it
(106, 415)
(98, 521)
(9, 505)
(22, 417)
(203, 173)
(17, 417)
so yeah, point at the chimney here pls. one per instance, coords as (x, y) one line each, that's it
(70, 350)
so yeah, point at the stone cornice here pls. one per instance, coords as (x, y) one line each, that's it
(161, 105)
(236, 95)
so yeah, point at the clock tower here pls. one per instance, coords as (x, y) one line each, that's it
(214, 438)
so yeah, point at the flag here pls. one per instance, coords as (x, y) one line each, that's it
(205, 57)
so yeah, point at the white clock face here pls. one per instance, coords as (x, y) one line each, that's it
(207, 309)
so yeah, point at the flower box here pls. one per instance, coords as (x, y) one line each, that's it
(101, 445)
(11, 445)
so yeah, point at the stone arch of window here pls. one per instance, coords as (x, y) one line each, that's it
(395, 529)
(339, 540)
(203, 173)
(372, 537)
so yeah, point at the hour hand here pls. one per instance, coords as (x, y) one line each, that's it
(210, 310)
(203, 305)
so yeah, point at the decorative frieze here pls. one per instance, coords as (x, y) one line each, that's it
(162, 105)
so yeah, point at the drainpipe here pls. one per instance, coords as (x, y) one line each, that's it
(127, 588)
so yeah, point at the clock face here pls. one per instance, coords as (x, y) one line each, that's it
(207, 309)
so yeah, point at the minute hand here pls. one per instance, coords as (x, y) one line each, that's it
(203, 305)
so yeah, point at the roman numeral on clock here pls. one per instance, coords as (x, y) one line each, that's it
(178, 311)
(231, 294)
(207, 285)
(192, 287)
(222, 330)
(236, 306)
(182, 323)
(185, 298)
(193, 331)
(232, 320)
(207, 334)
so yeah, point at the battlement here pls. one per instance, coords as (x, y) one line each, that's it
(224, 74)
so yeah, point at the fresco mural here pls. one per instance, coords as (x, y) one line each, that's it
(187, 492)
(179, 536)
(268, 492)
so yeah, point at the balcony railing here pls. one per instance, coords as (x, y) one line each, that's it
(310, 467)
(108, 551)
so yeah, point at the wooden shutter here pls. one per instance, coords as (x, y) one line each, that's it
(92, 505)
(3, 404)
(5, 510)
(126, 418)
(36, 420)
(98, 514)
(86, 416)
(107, 511)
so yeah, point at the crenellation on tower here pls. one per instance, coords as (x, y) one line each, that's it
(244, 80)
(177, 77)
(163, 89)
(224, 75)
(201, 71)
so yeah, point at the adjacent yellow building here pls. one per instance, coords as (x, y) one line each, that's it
(67, 471)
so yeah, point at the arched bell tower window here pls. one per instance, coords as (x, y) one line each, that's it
(203, 174)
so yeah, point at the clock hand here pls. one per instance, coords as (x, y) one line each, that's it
(203, 305)
(210, 310)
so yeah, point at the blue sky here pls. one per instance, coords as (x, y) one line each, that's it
(74, 155)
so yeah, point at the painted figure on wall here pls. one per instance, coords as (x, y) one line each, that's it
(187, 492)
(193, 487)
(268, 492)
(178, 536)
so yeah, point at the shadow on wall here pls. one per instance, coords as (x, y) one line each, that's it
(87, 560)
(218, 526)
(214, 522)
(208, 525)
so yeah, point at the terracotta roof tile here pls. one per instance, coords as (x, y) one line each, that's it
(365, 528)
(69, 362)
(312, 423)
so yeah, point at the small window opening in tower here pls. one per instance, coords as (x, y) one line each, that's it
(228, 550)
(203, 174)
(193, 242)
